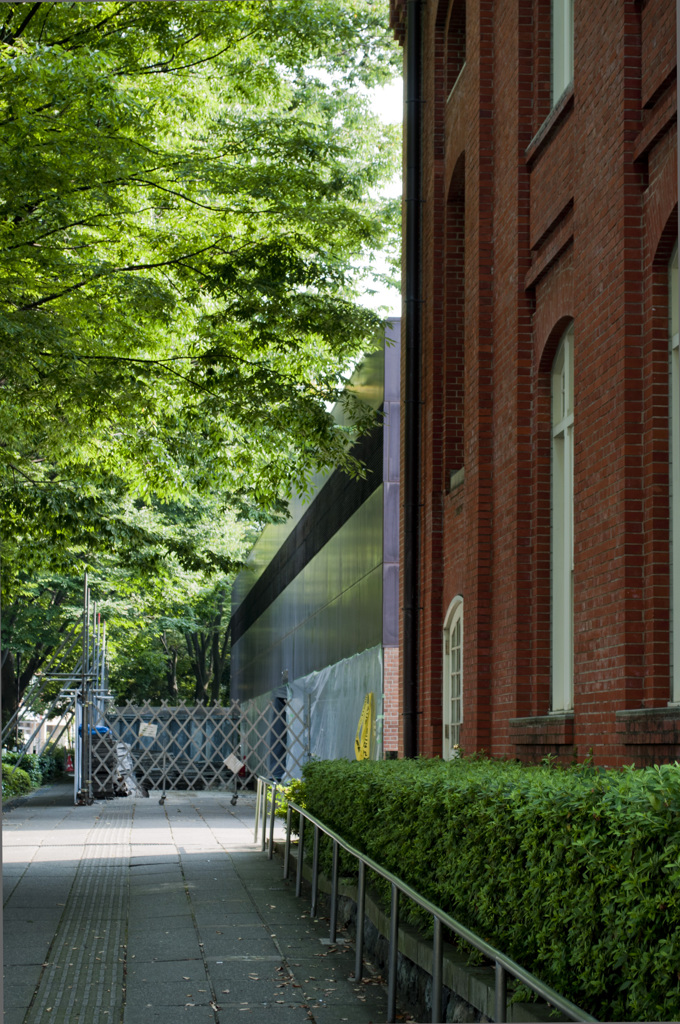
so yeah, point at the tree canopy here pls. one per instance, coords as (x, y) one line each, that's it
(186, 212)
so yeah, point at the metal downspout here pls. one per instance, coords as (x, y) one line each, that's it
(413, 301)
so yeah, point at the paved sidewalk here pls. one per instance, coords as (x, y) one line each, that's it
(129, 912)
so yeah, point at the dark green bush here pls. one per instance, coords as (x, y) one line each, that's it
(573, 873)
(52, 762)
(15, 781)
(48, 765)
(29, 763)
(39, 767)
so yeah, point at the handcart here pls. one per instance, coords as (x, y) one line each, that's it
(239, 773)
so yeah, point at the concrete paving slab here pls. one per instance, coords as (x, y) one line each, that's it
(157, 895)
(221, 948)
(13, 1015)
(139, 913)
(171, 951)
(295, 1013)
(186, 1014)
(160, 973)
(336, 1014)
(18, 992)
(169, 993)
(143, 928)
(15, 954)
(215, 917)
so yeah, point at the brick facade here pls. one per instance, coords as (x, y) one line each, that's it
(391, 700)
(534, 218)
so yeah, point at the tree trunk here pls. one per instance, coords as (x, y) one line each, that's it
(173, 692)
(220, 662)
(171, 669)
(197, 645)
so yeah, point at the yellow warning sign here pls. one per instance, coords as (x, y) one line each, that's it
(362, 742)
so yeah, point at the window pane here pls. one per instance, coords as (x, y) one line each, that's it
(562, 45)
(562, 524)
(453, 682)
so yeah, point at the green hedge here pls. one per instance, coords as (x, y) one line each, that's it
(573, 873)
(30, 763)
(15, 781)
(38, 768)
(53, 762)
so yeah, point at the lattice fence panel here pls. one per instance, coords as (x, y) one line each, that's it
(193, 746)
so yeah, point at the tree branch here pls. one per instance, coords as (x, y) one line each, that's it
(111, 273)
(185, 198)
(11, 39)
(30, 479)
(159, 69)
(89, 28)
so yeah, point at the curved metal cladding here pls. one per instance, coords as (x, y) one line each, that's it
(312, 593)
(330, 610)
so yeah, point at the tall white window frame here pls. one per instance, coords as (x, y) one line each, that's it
(561, 47)
(562, 525)
(452, 709)
(674, 446)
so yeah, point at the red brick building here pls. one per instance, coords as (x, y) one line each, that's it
(542, 240)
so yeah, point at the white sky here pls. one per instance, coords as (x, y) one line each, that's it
(388, 103)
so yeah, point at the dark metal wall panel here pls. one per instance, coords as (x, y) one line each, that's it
(323, 586)
(335, 504)
(367, 384)
(329, 611)
(391, 500)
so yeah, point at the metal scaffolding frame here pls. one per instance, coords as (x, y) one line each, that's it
(135, 748)
(81, 699)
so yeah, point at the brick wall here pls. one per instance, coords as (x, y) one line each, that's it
(533, 218)
(391, 701)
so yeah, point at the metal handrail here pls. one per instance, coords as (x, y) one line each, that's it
(504, 965)
(263, 786)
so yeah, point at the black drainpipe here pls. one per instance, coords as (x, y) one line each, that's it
(412, 241)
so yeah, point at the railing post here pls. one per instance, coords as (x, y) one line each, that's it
(393, 953)
(286, 856)
(503, 965)
(361, 910)
(257, 808)
(301, 853)
(500, 995)
(334, 891)
(265, 793)
(271, 822)
(315, 871)
(437, 957)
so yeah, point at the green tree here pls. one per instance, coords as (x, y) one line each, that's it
(169, 631)
(184, 203)
(185, 211)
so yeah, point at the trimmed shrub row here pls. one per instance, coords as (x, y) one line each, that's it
(15, 781)
(573, 873)
(37, 768)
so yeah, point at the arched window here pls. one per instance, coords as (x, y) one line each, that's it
(674, 410)
(452, 717)
(455, 44)
(562, 524)
(561, 47)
